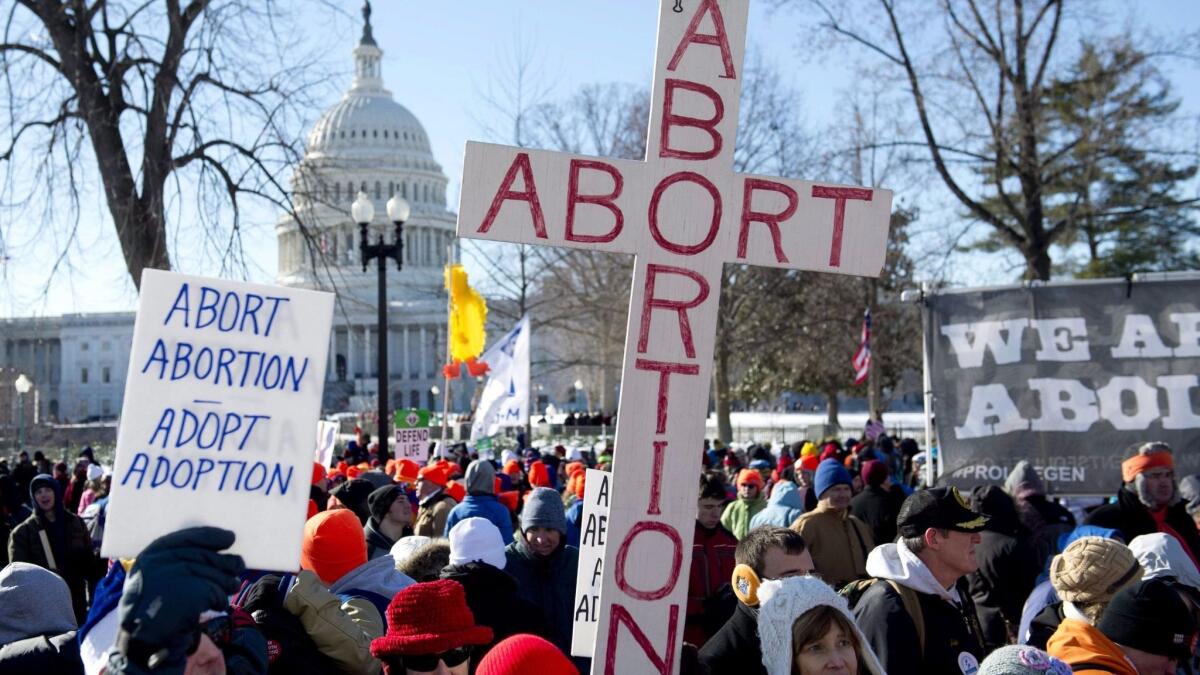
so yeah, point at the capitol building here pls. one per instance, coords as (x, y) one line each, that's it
(367, 142)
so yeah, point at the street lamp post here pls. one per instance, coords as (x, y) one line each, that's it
(22, 385)
(363, 211)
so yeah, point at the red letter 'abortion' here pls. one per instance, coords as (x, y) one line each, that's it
(670, 119)
(607, 201)
(720, 39)
(620, 615)
(529, 194)
(839, 214)
(714, 225)
(650, 303)
(771, 220)
(672, 574)
(665, 369)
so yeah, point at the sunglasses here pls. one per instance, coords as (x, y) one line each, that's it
(429, 662)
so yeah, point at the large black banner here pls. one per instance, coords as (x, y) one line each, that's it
(1066, 376)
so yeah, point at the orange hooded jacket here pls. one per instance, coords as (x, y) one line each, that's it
(1081, 645)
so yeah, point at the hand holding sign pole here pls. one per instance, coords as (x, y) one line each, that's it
(684, 214)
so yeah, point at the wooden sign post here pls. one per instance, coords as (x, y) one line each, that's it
(683, 213)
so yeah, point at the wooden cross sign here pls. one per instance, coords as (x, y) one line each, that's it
(683, 213)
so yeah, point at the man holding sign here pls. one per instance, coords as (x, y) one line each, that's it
(683, 214)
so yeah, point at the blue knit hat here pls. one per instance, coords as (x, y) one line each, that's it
(543, 508)
(830, 473)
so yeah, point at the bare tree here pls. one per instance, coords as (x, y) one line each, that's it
(979, 76)
(181, 110)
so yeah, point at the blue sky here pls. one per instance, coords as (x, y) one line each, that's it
(439, 59)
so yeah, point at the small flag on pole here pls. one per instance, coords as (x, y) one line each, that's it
(862, 357)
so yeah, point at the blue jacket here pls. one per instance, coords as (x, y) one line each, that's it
(784, 507)
(483, 506)
(574, 522)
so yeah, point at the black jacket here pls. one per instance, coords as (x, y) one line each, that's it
(889, 629)
(492, 597)
(735, 648)
(1044, 625)
(1133, 519)
(878, 508)
(42, 654)
(1007, 574)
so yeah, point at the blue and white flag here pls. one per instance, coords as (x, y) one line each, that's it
(505, 398)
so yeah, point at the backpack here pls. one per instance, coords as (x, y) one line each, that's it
(94, 517)
(854, 591)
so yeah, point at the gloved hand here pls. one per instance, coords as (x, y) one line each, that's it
(177, 577)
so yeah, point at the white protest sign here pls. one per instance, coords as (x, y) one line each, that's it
(326, 441)
(412, 434)
(684, 214)
(593, 534)
(224, 389)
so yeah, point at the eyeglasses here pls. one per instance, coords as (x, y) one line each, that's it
(429, 662)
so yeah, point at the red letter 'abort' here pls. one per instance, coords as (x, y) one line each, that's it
(662, 664)
(720, 39)
(607, 201)
(529, 194)
(714, 225)
(709, 126)
(651, 303)
(839, 214)
(665, 370)
(771, 220)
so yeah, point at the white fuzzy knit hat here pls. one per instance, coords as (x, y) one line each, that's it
(781, 602)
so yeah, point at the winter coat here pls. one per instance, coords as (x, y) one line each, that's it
(73, 557)
(1133, 519)
(1007, 570)
(44, 654)
(1045, 624)
(484, 506)
(738, 514)
(341, 629)
(951, 626)
(839, 543)
(376, 581)
(1046, 522)
(492, 597)
(783, 508)
(549, 583)
(1077, 643)
(878, 507)
(712, 569)
(574, 516)
(291, 650)
(433, 513)
(735, 648)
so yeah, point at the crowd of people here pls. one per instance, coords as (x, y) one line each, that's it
(826, 557)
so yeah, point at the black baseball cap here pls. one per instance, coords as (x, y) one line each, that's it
(942, 508)
(1150, 616)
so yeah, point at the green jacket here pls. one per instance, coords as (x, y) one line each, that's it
(737, 515)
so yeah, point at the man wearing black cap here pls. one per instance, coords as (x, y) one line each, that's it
(920, 619)
(1146, 630)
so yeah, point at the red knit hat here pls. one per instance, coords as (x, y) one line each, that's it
(435, 474)
(429, 618)
(513, 469)
(456, 490)
(406, 471)
(521, 654)
(318, 473)
(576, 467)
(510, 499)
(749, 476)
(810, 462)
(333, 544)
(539, 475)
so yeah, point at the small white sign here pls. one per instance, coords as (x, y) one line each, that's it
(412, 443)
(326, 440)
(224, 385)
(590, 579)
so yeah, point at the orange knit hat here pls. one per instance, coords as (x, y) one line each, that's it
(333, 544)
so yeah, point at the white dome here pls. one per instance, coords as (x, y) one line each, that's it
(368, 123)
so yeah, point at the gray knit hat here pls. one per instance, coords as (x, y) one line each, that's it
(543, 508)
(1022, 660)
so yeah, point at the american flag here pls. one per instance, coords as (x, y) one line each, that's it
(862, 357)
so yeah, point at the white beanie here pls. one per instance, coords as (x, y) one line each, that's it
(95, 472)
(476, 539)
(781, 602)
(404, 547)
(509, 456)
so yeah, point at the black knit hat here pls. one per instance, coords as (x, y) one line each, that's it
(353, 494)
(1150, 616)
(380, 501)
